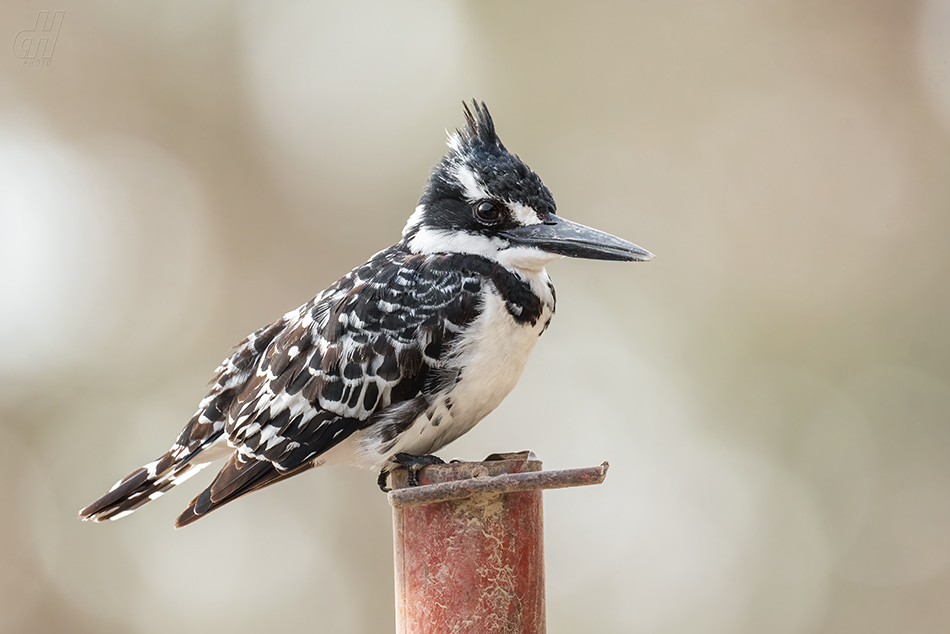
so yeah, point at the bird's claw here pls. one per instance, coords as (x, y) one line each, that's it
(414, 465)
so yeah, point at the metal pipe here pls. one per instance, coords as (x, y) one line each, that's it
(469, 544)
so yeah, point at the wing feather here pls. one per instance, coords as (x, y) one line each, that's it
(374, 343)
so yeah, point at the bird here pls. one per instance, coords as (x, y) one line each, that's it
(400, 356)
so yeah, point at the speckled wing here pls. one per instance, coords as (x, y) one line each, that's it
(201, 441)
(371, 345)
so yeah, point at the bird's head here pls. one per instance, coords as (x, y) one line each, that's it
(483, 199)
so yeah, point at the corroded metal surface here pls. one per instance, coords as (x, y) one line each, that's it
(481, 481)
(469, 545)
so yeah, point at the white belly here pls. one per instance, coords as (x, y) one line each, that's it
(492, 355)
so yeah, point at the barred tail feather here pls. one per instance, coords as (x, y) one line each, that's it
(239, 476)
(148, 482)
(136, 489)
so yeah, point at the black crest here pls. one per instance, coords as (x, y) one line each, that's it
(506, 177)
(479, 125)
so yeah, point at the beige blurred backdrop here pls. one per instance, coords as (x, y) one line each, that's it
(772, 391)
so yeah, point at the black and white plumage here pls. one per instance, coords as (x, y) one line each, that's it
(404, 354)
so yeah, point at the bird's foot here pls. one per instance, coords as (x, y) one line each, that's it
(414, 464)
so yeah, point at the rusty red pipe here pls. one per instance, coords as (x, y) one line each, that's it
(469, 545)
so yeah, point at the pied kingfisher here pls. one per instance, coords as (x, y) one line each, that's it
(403, 354)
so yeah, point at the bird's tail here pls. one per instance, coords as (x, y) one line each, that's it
(148, 482)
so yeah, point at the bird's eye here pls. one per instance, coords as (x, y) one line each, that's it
(488, 212)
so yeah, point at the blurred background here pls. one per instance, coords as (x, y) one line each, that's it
(772, 391)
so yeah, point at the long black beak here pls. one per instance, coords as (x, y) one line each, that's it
(561, 236)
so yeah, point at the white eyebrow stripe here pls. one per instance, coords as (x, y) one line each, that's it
(474, 190)
(524, 214)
